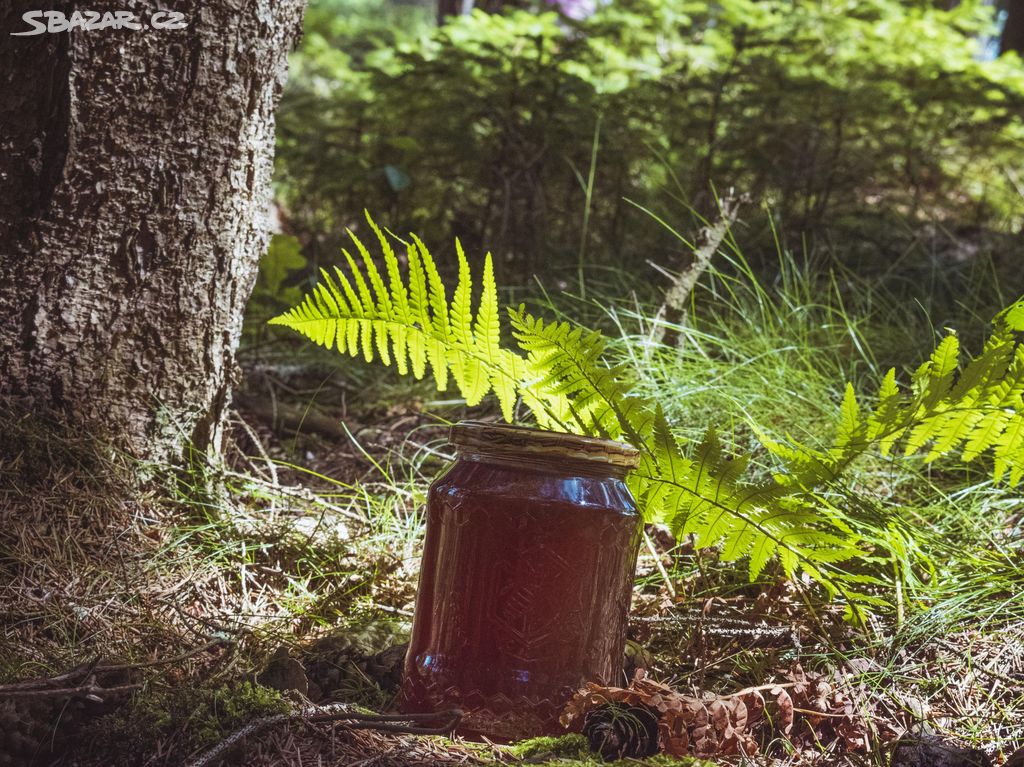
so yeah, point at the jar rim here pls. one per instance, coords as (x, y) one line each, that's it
(499, 439)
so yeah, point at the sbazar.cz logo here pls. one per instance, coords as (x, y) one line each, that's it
(55, 21)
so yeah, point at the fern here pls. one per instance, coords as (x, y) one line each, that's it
(976, 412)
(565, 366)
(704, 496)
(561, 373)
(411, 323)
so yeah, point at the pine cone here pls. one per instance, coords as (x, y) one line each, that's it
(619, 731)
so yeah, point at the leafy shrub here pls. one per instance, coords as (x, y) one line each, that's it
(277, 268)
(488, 128)
(561, 374)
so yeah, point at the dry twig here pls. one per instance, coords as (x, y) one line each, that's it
(335, 712)
(673, 309)
(52, 686)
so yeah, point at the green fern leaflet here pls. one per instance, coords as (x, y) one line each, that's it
(411, 323)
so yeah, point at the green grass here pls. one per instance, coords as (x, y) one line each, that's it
(318, 556)
(774, 351)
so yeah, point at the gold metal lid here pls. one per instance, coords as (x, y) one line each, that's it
(506, 440)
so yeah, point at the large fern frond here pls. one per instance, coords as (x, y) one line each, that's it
(706, 495)
(411, 323)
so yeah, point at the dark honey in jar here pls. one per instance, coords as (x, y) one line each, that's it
(526, 578)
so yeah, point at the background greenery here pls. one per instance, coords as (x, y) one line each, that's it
(868, 127)
(882, 146)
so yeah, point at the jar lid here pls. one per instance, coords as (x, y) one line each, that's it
(498, 438)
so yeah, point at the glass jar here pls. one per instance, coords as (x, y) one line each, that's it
(526, 578)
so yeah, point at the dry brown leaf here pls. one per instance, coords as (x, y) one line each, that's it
(675, 737)
(734, 736)
(703, 734)
(781, 710)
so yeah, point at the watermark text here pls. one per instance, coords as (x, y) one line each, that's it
(40, 22)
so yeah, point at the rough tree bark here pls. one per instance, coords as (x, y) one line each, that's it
(134, 183)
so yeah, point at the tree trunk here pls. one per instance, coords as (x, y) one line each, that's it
(448, 8)
(134, 185)
(1013, 33)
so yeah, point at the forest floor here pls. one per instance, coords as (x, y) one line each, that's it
(186, 607)
(98, 574)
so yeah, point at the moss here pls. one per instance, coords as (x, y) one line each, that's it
(593, 760)
(180, 720)
(572, 751)
(572, 745)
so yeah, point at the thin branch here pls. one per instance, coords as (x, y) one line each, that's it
(52, 684)
(673, 310)
(93, 691)
(335, 712)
